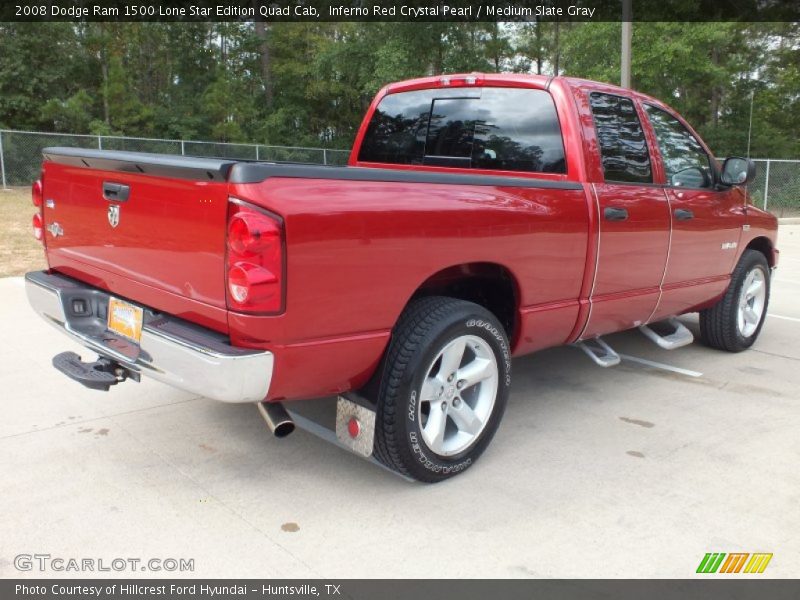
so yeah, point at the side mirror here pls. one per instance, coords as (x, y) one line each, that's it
(737, 171)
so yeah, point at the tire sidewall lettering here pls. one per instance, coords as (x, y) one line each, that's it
(417, 448)
(412, 406)
(499, 338)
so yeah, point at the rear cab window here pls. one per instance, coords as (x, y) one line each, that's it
(504, 129)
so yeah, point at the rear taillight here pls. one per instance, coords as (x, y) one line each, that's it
(38, 226)
(255, 259)
(37, 196)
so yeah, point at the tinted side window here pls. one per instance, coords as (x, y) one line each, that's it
(518, 130)
(506, 129)
(623, 147)
(397, 131)
(685, 162)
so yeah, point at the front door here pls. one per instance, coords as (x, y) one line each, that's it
(706, 221)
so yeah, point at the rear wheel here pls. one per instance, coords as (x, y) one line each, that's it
(733, 323)
(444, 388)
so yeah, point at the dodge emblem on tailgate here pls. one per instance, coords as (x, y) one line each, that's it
(113, 215)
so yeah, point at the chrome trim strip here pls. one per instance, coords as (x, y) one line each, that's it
(168, 358)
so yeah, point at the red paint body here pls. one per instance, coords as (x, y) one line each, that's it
(357, 251)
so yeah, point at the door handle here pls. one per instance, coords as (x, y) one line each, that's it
(613, 213)
(683, 214)
(116, 192)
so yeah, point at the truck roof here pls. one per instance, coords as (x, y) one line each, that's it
(506, 79)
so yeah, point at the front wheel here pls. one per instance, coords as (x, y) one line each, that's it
(733, 323)
(444, 388)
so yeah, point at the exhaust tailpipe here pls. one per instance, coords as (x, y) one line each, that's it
(278, 420)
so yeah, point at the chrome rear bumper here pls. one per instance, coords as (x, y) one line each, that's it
(171, 350)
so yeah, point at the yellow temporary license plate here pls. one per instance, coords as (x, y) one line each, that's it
(125, 319)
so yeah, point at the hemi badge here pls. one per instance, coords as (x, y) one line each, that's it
(55, 229)
(729, 245)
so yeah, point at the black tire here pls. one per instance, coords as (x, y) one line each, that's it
(424, 329)
(718, 324)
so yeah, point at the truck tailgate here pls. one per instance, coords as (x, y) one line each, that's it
(139, 227)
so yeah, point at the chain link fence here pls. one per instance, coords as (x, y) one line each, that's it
(777, 186)
(21, 151)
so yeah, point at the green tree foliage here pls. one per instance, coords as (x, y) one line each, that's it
(709, 72)
(30, 73)
(310, 83)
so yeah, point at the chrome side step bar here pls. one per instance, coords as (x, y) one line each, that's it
(601, 353)
(679, 337)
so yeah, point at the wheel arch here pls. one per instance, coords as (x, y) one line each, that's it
(488, 284)
(764, 245)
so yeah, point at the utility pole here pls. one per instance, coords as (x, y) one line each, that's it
(2, 163)
(627, 32)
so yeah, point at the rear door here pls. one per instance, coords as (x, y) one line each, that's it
(634, 219)
(706, 221)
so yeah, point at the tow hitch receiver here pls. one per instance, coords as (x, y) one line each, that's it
(98, 375)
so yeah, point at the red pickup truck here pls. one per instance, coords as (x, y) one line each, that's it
(480, 217)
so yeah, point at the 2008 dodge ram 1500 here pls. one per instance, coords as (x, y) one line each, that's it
(480, 217)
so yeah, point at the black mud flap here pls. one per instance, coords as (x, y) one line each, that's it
(98, 375)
